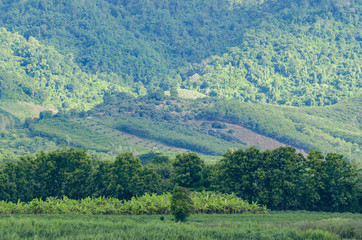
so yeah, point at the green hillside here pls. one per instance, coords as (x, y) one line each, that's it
(286, 52)
(334, 128)
(204, 126)
(306, 54)
(37, 73)
(174, 75)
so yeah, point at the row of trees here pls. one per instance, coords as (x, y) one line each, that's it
(281, 178)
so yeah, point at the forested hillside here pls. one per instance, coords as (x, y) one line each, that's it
(305, 54)
(286, 52)
(36, 73)
(117, 71)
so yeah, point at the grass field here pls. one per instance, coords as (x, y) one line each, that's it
(276, 225)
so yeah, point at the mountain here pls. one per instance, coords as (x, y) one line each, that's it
(263, 73)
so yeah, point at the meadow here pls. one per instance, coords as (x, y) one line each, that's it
(275, 225)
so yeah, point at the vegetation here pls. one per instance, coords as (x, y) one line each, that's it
(291, 61)
(291, 53)
(37, 73)
(181, 204)
(71, 133)
(148, 204)
(281, 179)
(285, 52)
(336, 127)
(127, 124)
(286, 225)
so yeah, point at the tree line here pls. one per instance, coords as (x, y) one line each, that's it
(280, 178)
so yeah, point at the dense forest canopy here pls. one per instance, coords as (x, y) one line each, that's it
(286, 52)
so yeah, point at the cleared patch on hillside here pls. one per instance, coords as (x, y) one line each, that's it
(190, 94)
(253, 138)
(23, 110)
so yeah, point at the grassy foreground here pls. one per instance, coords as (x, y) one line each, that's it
(276, 225)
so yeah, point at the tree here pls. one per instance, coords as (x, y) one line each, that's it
(281, 178)
(270, 177)
(45, 114)
(63, 173)
(147, 181)
(313, 183)
(187, 170)
(331, 183)
(124, 168)
(236, 173)
(181, 204)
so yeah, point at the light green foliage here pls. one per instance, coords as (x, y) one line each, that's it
(302, 55)
(38, 73)
(67, 54)
(282, 226)
(334, 128)
(147, 204)
(15, 143)
(71, 133)
(7, 121)
(162, 119)
(278, 51)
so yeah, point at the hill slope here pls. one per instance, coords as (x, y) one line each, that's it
(263, 57)
(37, 73)
(277, 51)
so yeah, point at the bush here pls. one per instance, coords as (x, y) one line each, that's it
(219, 125)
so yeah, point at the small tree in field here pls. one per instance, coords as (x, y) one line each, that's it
(181, 204)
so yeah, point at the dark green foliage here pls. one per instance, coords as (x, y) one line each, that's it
(330, 184)
(218, 125)
(123, 171)
(74, 174)
(154, 156)
(283, 179)
(128, 178)
(187, 170)
(54, 174)
(45, 114)
(181, 204)
(159, 159)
